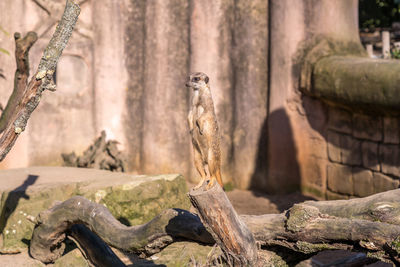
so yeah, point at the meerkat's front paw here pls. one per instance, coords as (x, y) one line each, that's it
(211, 183)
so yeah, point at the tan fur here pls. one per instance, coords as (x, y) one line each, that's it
(204, 131)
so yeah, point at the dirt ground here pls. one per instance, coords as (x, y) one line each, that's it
(245, 202)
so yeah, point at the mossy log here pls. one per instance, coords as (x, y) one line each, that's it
(146, 239)
(370, 225)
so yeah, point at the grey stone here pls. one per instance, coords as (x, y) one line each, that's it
(340, 120)
(389, 157)
(384, 183)
(367, 127)
(363, 182)
(136, 199)
(350, 150)
(334, 146)
(340, 179)
(370, 158)
(391, 130)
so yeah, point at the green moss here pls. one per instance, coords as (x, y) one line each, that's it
(229, 187)
(142, 203)
(315, 192)
(299, 217)
(72, 259)
(309, 248)
(358, 82)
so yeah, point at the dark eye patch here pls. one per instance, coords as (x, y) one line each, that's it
(196, 79)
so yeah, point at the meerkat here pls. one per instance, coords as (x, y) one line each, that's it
(204, 130)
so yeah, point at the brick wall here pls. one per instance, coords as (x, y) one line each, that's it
(363, 153)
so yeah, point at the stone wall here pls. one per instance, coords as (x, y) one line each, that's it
(363, 152)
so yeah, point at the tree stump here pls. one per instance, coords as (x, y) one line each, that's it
(223, 223)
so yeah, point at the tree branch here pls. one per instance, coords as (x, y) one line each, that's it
(22, 47)
(42, 80)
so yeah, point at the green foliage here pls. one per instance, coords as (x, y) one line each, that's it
(378, 13)
(396, 53)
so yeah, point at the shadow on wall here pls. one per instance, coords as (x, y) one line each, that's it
(363, 151)
(277, 169)
(13, 198)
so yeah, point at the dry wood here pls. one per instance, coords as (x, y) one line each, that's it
(42, 80)
(146, 239)
(370, 225)
(102, 155)
(22, 47)
(221, 220)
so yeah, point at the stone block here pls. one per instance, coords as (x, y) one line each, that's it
(350, 150)
(367, 127)
(370, 156)
(130, 198)
(340, 179)
(340, 120)
(384, 183)
(391, 130)
(335, 196)
(363, 182)
(389, 157)
(334, 146)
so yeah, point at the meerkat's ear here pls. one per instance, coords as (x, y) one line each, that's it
(206, 80)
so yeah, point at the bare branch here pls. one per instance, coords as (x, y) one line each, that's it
(42, 80)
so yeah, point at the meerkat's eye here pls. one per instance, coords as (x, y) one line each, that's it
(196, 79)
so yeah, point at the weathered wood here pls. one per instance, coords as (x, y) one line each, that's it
(146, 239)
(22, 47)
(222, 221)
(102, 155)
(42, 80)
(93, 247)
(370, 225)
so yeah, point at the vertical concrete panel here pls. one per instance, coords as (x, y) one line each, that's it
(287, 31)
(134, 62)
(211, 28)
(109, 66)
(250, 41)
(165, 134)
(63, 121)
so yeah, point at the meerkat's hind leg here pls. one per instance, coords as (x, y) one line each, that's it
(198, 163)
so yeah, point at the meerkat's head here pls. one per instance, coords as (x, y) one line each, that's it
(197, 80)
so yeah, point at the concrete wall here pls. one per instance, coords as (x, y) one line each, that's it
(124, 71)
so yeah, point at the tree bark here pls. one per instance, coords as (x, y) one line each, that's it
(228, 230)
(42, 80)
(22, 47)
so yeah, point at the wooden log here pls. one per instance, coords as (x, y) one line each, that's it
(369, 225)
(147, 239)
(226, 227)
(93, 247)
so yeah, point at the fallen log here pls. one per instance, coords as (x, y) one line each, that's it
(147, 239)
(370, 225)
